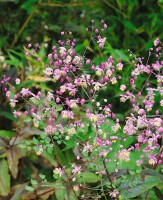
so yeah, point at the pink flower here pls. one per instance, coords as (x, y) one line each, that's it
(8, 93)
(152, 160)
(76, 188)
(103, 153)
(122, 87)
(101, 42)
(156, 42)
(124, 155)
(48, 71)
(139, 162)
(27, 54)
(76, 169)
(16, 114)
(17, 81)
(50, 129)
(25, 92)
(58, 171)
(66, 114)
(88, 148)
(119, 66)
(114, 194)
(13, 102)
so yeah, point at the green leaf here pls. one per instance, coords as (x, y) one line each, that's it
(131, 172)
(28, 5)
(6, 134)
(43, 136)
(42, 176)
(152, 172)
(120, 54)
(133, 188)
(22, 146)
(4, 178)
(34, 182)
(27, 119)
(59, 108)
(29, 188)
(69, 144)
(8, 115)
(55, 28)
(60, 191)
(129, 25)
(61, 156)
(89, 177)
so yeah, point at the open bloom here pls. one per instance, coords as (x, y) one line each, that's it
(114, 194)
(152, 160)
(97, 86)
(119, 66)
(68, 59)
(76, 59)
(157, 122)
(66, 114)
(76, 169)
(76, 188)
(101, 42)
(62, 50)
(122, 87)
(16, 113)
(13, 102)
(58, 171)
(103, 153)
(25, 92)
(71, 131)
(124, 155)
(156, 42)
(17, 81)
(48, 71)
(50, 129)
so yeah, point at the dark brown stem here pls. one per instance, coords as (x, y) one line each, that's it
(146, 195)
(108, 175)
(158, 158)
(62, 167)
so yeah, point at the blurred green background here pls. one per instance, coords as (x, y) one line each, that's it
(132, 23)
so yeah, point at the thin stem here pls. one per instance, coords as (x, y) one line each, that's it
(22, 29)
(62, 167)
(146, 195)
(108, 175)
(114, 8)
(146, 81)
(67, 5)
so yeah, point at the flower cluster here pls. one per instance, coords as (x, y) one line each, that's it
(73, 111)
